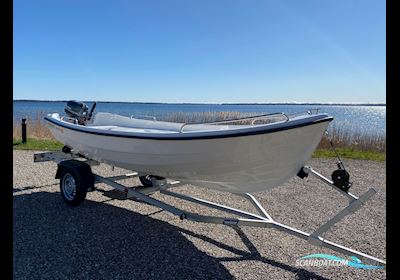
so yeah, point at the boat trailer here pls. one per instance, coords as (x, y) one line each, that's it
(76, 178)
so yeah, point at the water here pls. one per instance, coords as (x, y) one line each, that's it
(368, 120)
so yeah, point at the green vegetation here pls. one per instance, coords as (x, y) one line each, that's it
(37, 144)
(351, 153)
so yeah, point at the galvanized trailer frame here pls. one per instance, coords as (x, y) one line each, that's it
(262, 219)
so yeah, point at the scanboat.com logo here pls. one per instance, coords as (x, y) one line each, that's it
(330, 260)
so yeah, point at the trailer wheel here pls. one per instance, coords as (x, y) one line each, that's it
(73, 189)
(146, 180)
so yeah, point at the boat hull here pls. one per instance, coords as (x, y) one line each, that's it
(241, 164)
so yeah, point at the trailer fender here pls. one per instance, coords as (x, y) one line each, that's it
(83, 169)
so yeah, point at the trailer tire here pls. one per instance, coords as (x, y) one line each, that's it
(146, 180)
(74, 183)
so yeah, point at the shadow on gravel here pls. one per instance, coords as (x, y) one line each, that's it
(100, 241)
(253, 255)
(27, 188)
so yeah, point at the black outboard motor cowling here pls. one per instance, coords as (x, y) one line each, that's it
(77, 110)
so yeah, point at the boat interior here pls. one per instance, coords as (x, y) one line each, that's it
(114, 122)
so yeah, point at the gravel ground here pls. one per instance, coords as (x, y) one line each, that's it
(110, 237)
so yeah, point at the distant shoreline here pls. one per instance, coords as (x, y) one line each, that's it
(289, 103)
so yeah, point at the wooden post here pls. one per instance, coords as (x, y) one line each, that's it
(24, 131)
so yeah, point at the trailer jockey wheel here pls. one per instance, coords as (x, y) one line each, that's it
(146, 180)
(340, 178)
(66, 149)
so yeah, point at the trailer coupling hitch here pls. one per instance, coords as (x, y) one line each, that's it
(340, 177)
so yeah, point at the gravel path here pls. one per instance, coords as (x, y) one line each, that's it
(110, 237)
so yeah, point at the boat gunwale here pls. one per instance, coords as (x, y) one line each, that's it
(189, 136)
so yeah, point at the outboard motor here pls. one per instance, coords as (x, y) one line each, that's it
(77, 110)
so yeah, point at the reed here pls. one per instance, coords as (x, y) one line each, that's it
(345, 138)
(341, 138)
(35, 128)
(200, 117)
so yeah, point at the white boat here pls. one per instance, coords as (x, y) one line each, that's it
(229, 156)
(232, 156)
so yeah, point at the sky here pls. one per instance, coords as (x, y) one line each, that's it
(208, 51)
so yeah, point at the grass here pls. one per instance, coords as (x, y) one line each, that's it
(347, 144)
(37, 144)
(351, 154)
